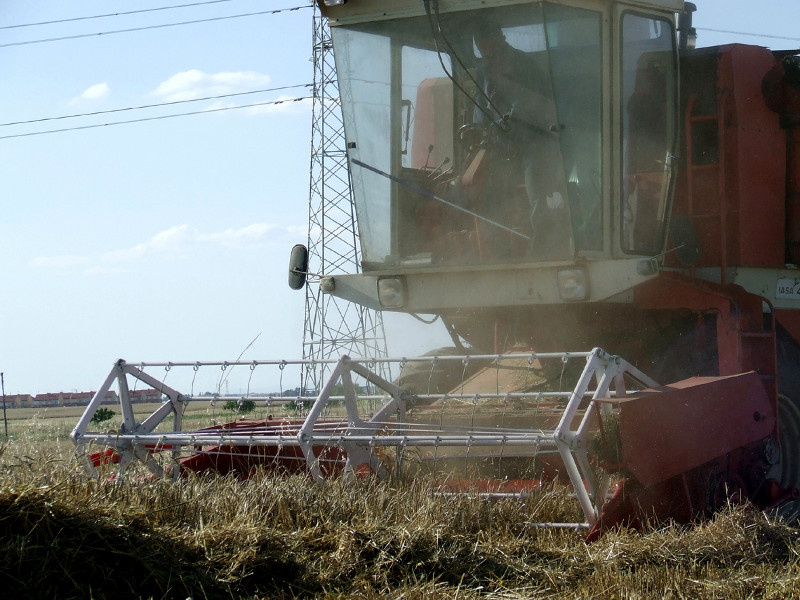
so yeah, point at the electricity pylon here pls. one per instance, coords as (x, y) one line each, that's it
(333, 327)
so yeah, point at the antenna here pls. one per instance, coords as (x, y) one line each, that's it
(333, 326)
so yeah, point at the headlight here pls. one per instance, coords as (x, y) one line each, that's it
(391, 292)
(334, 2)
(573, 285)
(327, 284)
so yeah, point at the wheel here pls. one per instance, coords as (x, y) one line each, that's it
(789, 438)
(789, 409)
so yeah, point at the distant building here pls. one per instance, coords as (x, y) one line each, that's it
(147, 395)
(154, 396)
(77, 398)
(48, 399)
(19, 401)
(83, 398)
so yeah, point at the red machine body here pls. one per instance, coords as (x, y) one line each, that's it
(735, 211)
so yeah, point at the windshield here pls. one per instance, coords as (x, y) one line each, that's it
(648, 125)
(475, 136)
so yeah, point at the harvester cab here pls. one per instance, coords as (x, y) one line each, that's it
(505, 154)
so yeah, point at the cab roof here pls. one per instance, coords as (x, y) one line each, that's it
(373, 10)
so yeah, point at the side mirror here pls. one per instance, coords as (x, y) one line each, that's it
(298, 267)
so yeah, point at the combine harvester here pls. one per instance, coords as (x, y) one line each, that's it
(541, 176)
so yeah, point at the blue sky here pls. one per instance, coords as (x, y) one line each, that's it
(169, 239)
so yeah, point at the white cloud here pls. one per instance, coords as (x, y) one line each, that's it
(174, 240)
(93, 93)
(178, 242)
(192, 84)
(252, 236)
(297, 229)
(181, 240)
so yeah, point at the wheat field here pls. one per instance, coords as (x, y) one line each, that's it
(63, 535)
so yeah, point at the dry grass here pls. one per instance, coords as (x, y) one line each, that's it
(64, 536)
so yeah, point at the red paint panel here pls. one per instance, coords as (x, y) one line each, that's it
(756, 158)
(682, 426)
(732, 182)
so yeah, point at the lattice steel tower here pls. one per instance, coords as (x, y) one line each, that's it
(333, 327)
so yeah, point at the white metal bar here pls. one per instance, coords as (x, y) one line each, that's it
(156, 384)
(303, 435)
(211, 439)
(367, 361)
(94, 403)
(278, 400)
(128, 420)
(350, 399)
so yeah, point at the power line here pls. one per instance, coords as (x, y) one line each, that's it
(157, 105)
(761, 35)
(119, 14)
(158, 118)
(146, 27)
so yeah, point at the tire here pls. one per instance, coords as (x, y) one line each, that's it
(789, 409)
(789, 438)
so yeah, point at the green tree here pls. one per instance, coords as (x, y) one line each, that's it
(240, 406)
(102, 415)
